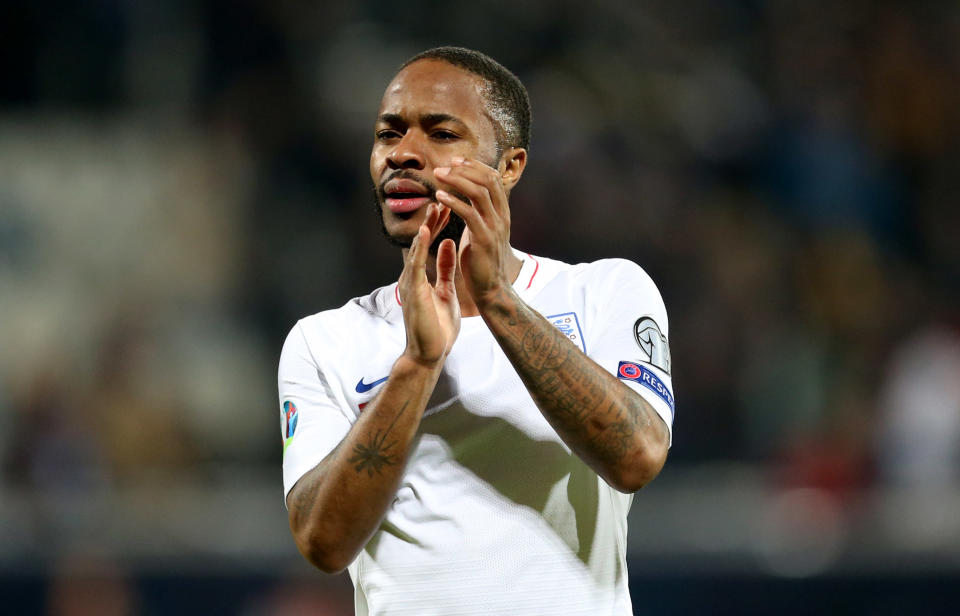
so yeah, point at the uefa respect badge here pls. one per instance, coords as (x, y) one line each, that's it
(632, 371)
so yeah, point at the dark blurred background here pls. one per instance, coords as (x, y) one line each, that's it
(181, 181)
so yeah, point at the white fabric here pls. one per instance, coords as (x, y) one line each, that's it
(494, 515)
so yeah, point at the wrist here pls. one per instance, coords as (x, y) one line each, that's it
(500, 300)
(409, 364)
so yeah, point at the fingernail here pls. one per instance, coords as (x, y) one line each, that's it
(441, 170)
(442, 194)
(457, 160)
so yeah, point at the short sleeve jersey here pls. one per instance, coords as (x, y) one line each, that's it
(494, 514)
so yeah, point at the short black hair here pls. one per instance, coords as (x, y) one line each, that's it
(507, 98)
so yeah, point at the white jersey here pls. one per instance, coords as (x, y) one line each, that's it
(494, 514)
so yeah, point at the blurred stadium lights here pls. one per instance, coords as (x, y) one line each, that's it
(710, 520)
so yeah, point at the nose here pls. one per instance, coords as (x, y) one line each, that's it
(407, 154)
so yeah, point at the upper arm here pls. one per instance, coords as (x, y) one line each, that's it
(628, 334)
(312, 421)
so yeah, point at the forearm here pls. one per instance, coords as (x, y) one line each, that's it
(609, 426)
(336, 507)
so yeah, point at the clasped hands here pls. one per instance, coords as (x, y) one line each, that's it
(431, 312)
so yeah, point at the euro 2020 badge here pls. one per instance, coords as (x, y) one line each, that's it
(289, 418)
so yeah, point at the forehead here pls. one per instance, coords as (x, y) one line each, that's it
(435, 86)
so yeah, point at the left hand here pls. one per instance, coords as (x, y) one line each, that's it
(485, 245)
(431, 312)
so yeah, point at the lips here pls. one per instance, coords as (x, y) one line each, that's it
(403, 195)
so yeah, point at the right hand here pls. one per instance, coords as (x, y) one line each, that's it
(431, 312)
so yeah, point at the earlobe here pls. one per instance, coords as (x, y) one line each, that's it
(514, 161)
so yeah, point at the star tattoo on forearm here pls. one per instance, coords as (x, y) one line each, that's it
(374, 455)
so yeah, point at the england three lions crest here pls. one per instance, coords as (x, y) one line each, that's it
(569, 326)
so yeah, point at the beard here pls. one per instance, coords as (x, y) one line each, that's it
(453, 229)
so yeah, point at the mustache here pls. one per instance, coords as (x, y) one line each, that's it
(455, 226)
(407, 174)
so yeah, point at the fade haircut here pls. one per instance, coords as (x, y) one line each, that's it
(508, 103)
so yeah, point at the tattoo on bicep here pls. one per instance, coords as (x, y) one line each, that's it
(375, 454)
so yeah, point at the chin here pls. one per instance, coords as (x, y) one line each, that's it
(398, 233)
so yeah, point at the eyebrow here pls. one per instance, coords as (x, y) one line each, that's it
(427, 119)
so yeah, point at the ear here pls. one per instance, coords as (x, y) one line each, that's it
(512, 163)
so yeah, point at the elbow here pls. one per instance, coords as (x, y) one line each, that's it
(320, 554)
(328, 565)
(317, 548)
(638, 470)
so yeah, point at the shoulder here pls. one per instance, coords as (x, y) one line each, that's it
(604, 278)
(331, 328)
(614, 286)
(614, 276)
(359, 310)
(614, 267)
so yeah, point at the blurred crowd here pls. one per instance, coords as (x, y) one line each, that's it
(181, 181)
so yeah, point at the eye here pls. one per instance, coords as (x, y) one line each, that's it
(387, 134)
(444, 135)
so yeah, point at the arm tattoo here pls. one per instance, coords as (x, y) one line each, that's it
(373, 456)
(572, 393)
(614, 442)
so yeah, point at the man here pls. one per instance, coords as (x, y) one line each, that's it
(455, 448)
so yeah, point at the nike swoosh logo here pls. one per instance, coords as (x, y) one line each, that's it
(363, 388)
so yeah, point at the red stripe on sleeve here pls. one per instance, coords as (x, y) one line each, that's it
(535, 269)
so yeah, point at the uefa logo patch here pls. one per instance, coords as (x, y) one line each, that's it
(652, 342)
(630, 371)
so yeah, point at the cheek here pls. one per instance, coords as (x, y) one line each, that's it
(466, 150)
(486, 152)
(376, 164)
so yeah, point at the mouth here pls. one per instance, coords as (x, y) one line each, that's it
(403, 196)
(404, 203)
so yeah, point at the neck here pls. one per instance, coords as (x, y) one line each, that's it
(467, 306)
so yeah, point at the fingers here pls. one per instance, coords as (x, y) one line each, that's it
(446, 266)
(414, 271)
(481, 183)
(435, 219)
(419, 249)
(442, 220)
(463, 209)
